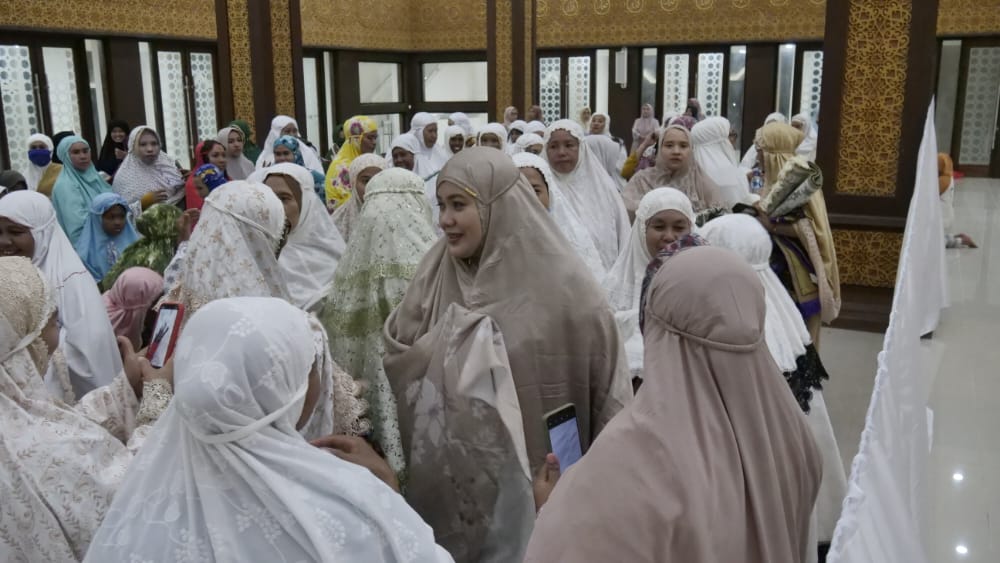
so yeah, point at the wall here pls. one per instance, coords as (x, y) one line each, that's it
(189, 19)
(395, 25)
(968, 17)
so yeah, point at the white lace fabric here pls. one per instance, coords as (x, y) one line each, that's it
(226, 476)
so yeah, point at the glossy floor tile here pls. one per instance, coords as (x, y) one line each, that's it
(963, 481)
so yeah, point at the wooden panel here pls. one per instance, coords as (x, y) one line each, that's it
(758, 100)
(124, 80)
(148, 18)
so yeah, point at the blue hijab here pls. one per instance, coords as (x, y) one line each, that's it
(74, 190)
(292, 144)
(97, 249)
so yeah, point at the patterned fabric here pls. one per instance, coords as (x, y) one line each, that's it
(226, 476)
(158, 227)
(393, 233)
(135, 178)
(346, 216)
(74, 191)
(98, 250)
(59, 468)
(338, 176)
(689, 240)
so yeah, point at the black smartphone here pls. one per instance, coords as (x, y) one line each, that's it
(168, 323)
(564, 435)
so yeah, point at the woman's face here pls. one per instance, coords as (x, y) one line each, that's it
(235, 144)
(799, 124)
(50, 334)
(512, 114)
(79, 156)
(312, 397)
(113, 220)
(361, 185)
(489, 140)
(289, 194)
(431, 134)
(676, 149)
(290, 129)
(459, 220)
(563, 151)
(118, 135)
(534, 149)
(515, 135)
(537, 182)
(402, 158)
(456, 144)
(597, 124)
(664, 228)
(148, 147)
(471, 141)
(585, 114)
(217, 156)
(201, 187)
(283, 154)
(647, 110)
(16, 239)
(368, 141)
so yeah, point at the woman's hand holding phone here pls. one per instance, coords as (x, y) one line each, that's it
(545, 480)
(138, 369)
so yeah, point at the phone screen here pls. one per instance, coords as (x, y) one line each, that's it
(161, 344)
(565, 439)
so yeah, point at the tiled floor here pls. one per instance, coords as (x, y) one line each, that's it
(963, 495)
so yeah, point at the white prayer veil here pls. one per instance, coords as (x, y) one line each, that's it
(228, 478)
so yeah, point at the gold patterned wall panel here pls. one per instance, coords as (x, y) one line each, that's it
(867, 258)
(875, 66)
(567, 23)
(397, 25)
(968, 17)
(239, 49)
(178, 18)
(504, 57)
(530, 58)
(281, 58)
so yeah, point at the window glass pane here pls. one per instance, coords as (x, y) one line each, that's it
(204, 95)
(737, 83)
(812, 82)
(786, 75)
(979, 116)
(378, 82)
(675, 82)
(602, 80)
(648, 76)
(175, 133)
(60, 76)
(95, 71)
(947, 92)
(148, 93)
(388, 129)
(579, 85)
(710, 66)
(550, 87)
(312, 97)
(455, 82)
(328, 97)
(20, 106)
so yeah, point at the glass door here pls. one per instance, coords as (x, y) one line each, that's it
(978, 123)
(694, 74)
(566, 85)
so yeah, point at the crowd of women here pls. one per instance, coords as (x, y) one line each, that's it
(369, 348)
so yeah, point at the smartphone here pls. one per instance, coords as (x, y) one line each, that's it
(168, 324)
(564, 435)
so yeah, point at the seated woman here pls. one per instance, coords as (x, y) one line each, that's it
(392, 234)
(61, 465)
(130, 302)
(360, 138)
(206, 152)
(107, 234)
(42, 171)
(28, 228)
(238, 166)
(76, 187)
(721, 465)
(790, 346)
(288, 149)
(557, 332)
(312, 247)
(148, 175)
(663, 217)
(362, 170)
(454, 137)
(530, 143)
(155, 250)
(227, 476)
(493, 135)
(284, 126)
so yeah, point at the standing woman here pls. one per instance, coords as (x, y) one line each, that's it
(148, 175)
(503, 257)
(588, 188)
(115, 147)
(360, 137)
(393, 233)
(509, 117)
(362, 170)
(312, 247)
(42, 173)
(77, 186)
(713, 154)
(644, 125)
(238, 166)
(28, 228)
(207, 152)
(804, 123)
(676, 167)
(431, 156)
(250, 149)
